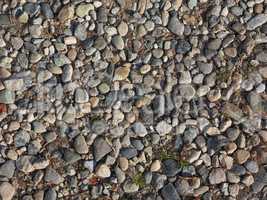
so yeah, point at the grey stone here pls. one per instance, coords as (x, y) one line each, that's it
(169, 192)
(158, 181)
(130, 187)
(80, 145)
(101, 148)
(81, 95)
(187, 91)
(217, 176)
(24, 164)
(71, 157)
(50, 194)
(163, 128)
(175, 26)
(7, 97)
(52, 176)
(128, 152)
(252, 166)
(170, 167)
(256, 21)
(21, 139)
(7, 169)
(118, 42)
(139, 129)
(47, 11)
(80, 32)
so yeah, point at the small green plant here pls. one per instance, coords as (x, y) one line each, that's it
(184, 164)
(139, 179)
(164, 155)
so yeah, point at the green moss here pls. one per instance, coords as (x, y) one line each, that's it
(164, 155)
(139, 179)
(184, 163)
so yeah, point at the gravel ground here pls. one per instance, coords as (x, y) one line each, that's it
(133, 99)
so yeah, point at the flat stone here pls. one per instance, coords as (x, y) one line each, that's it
(187, 91)
(217, 176)
(256, 21)
(80, 145)
(103, 171)
(170, 167)
(101, 148)
(169, 192)
(71, 157)
(121, 73)
(123, 28)
(83, 9)
(130, 187)
(81, 95)
(24, 164)
(67, 12)
(163, 128)
(52, 176)
(242, 156)
(175, 26)
(139, 129)
(7, 169)
(14, 84)
(7, 191)
(118, 42)
(99, 126)
(5, 20)
(7, 97)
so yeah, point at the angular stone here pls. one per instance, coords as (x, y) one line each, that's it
(7, 191)
(7, 97)
(256, 21)
(101, 148)
(217, 176)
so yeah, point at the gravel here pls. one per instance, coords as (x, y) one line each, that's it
(133, 99)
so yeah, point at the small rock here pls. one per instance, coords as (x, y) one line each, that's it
(163, 128)
(217, 176)
(256, 21)
(81, 95)
(7, 191)
(14, 84)
(7, 169)
(7, 97)
(67, 12)
(242, 156)
(130, 187)
(103, 171)
(169, 192)
(80, 145)
(155, 166)
(139, 129)
(52, 176)
(101, 148)
(24, 164)
(118, 42)
(175, 26)
(123, 28)
(83, 9)
(121, 73)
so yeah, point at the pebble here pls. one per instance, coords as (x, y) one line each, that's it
(52, 176)
(81, 96)
(83, 9)
(7, 191)
(103, 171)
(7, 96)
(80, 145)
(217, 176)
(155, 166)
(242, 156)
(118, 42)
(101, 148)
(139, 129)
(256, 21)
(175, 26)
(169, 192)
(163, 128)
